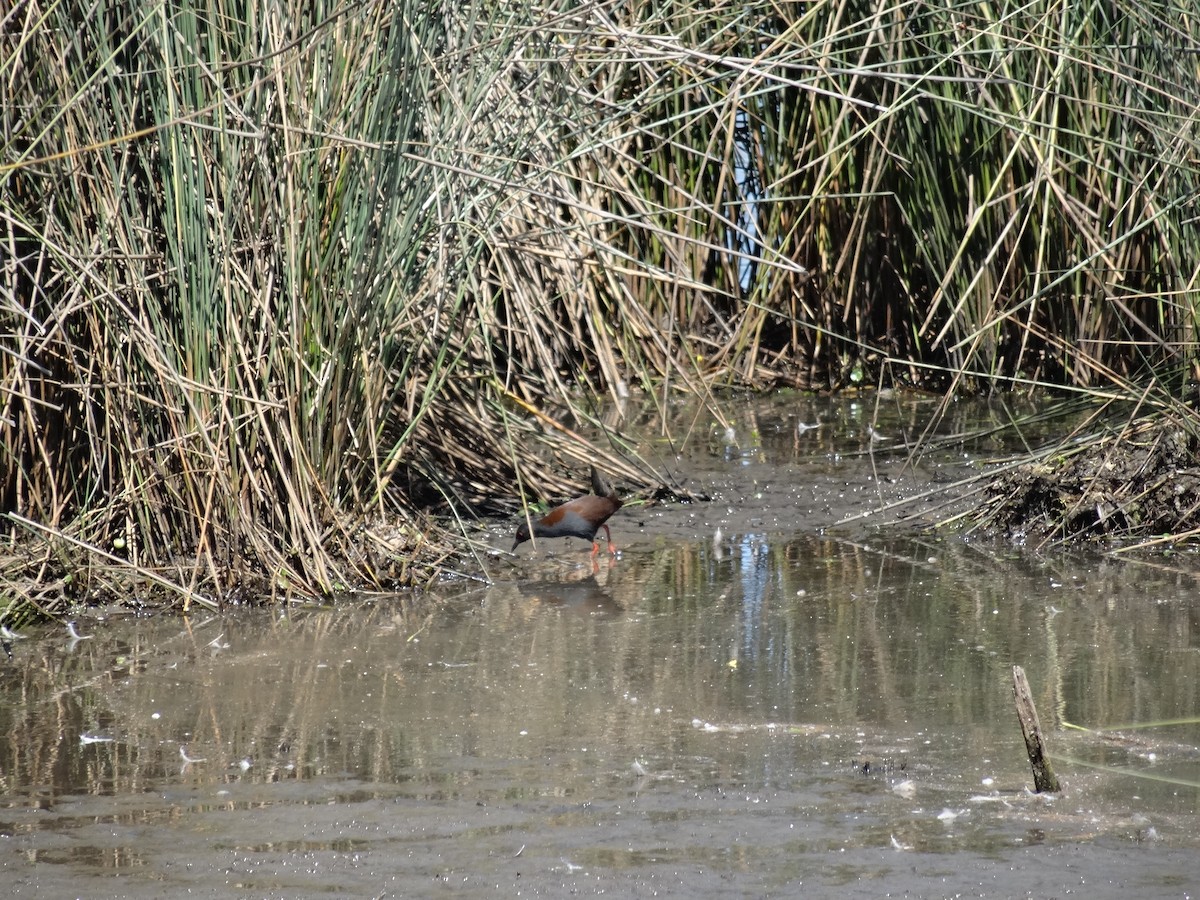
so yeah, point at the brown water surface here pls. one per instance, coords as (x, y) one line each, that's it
(747, 702)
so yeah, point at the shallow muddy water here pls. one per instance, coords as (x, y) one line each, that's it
(748, 701)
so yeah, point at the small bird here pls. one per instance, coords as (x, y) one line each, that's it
(582, 517)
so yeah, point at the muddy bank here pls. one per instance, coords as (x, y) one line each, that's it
(1136, 482)
(797, 462)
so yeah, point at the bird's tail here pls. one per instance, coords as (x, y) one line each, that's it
(600, 485)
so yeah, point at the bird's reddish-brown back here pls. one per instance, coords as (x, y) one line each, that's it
(581, 517)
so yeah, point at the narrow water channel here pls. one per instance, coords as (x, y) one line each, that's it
(748, 701)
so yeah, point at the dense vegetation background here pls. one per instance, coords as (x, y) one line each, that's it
(276, 278)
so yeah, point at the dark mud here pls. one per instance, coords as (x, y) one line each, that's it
(1137, 482)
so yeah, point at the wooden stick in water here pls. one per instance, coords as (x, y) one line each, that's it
(1044, 778)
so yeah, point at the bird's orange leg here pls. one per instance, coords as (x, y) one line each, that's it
(612, 551)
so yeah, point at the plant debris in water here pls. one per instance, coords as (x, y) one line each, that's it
(1138, 482)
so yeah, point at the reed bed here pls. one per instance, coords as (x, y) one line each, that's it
(279, 280)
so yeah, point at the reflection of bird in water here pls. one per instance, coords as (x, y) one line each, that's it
(585, 596)
(582, 517)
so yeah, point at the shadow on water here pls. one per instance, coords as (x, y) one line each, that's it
(743, 703)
